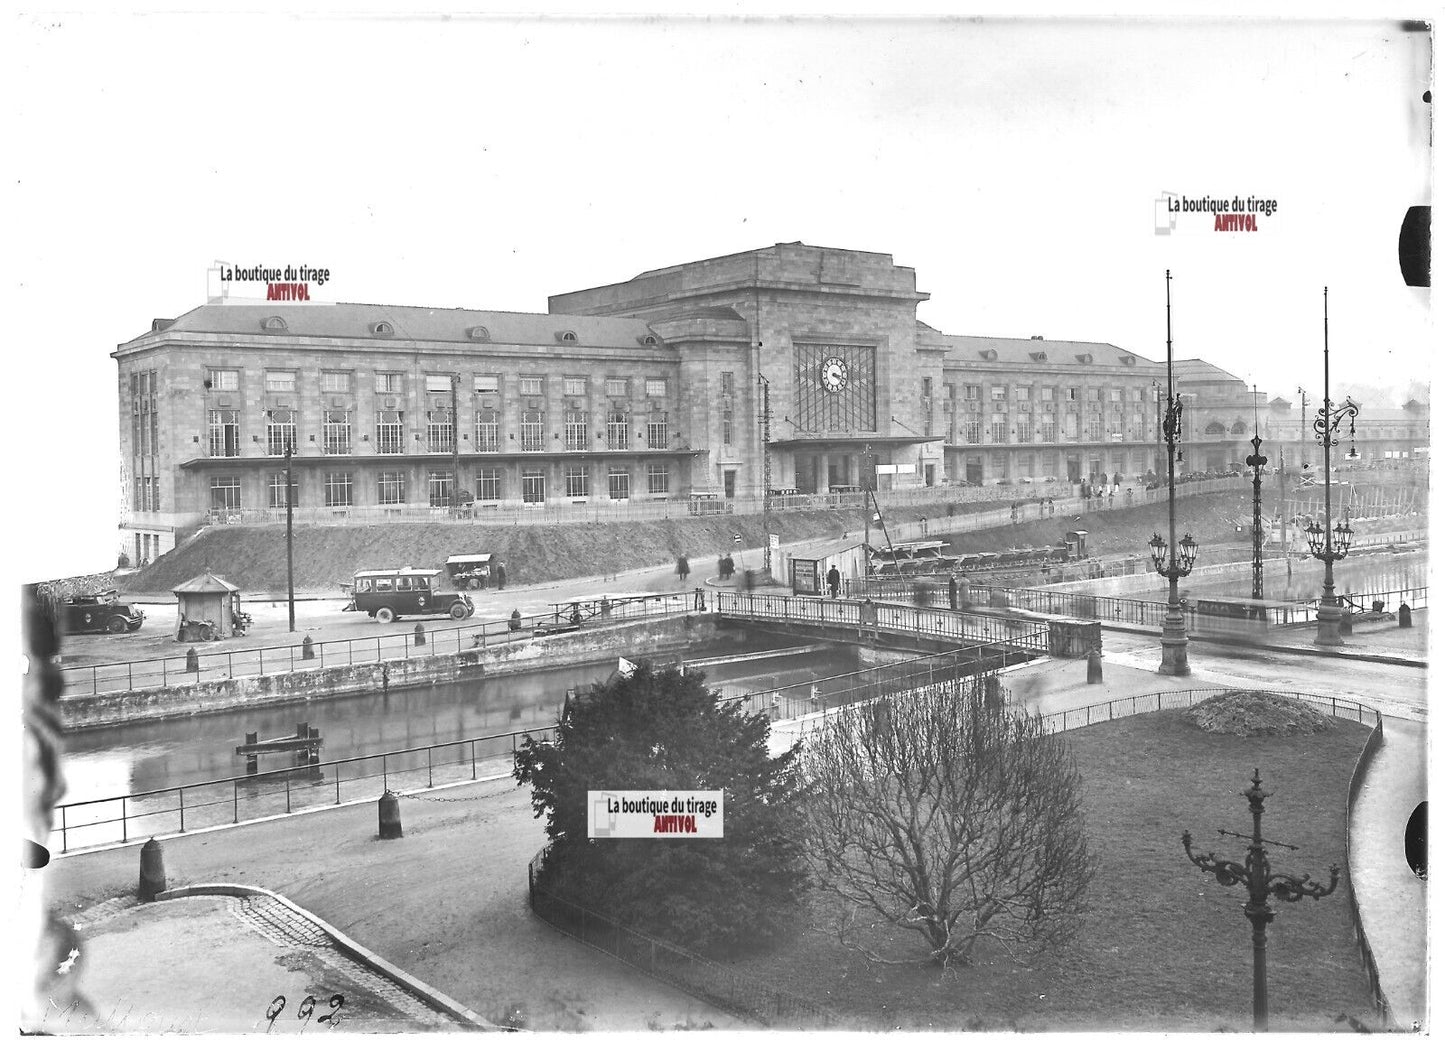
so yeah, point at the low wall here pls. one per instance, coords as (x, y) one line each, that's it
(636, 638)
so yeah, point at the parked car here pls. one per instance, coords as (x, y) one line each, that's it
(102, 612)
(386, 594)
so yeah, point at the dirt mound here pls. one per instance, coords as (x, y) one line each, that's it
(1254, 713)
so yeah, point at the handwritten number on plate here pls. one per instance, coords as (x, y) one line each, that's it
(335, 1016)
(277, 1006)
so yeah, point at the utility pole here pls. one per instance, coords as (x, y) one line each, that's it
(869, 479)
(765, 417)
(456, 446)
(290, 575)
(1303, 401)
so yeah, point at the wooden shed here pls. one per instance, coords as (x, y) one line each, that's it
(206, 600)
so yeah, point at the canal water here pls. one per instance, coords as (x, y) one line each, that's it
(1304, 580)
(124, 760)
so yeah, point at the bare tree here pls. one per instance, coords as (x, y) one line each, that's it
(945, 812)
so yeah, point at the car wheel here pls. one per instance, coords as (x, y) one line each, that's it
(459, 611)
(386, 614)
(117, 626)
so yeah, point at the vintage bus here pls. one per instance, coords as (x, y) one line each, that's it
(386, 594)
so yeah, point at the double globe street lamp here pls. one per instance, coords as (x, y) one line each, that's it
(1328, 544)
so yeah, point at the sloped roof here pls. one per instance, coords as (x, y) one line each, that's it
(969, 349)
(205, 584)
(425, 324)
(1197, 370)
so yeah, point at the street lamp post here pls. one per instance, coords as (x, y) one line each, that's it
(1262, 884)
(1327, 544)
(1178, 559)
(290, 576)
(1257, 461)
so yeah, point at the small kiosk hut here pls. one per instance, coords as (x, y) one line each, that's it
(207, 608)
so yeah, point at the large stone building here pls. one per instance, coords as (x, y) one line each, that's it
(650, 389)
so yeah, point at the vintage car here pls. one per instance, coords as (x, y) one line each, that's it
(386, 594)
(101, 612)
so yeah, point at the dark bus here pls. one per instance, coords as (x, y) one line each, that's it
(390, 593)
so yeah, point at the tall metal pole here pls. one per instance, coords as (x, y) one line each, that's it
(1257, 461)
(1303, 401)
(1174, 659)
(456, 447)
(290, 575)
(869, 479)
(767, 421)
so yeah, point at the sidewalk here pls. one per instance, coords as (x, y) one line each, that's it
(1391, 899)
(1382, 641)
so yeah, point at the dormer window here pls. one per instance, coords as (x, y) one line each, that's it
(479, 334)
(382, 328)
(1085, 359)
(274, 324)
(1127, 359)
(988, 355)
(648, 340)
(1038, 355)
(567, 336)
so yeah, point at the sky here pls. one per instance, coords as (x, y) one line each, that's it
(1017, 166)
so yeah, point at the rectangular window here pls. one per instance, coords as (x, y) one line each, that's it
(972, 431)
(998, 393)
(1021, 393)
(487, 384)
(388, 382)
(657, 433)
(657, 479)
(225, 432)
(1096, 394)
(391, 487)
(534, 486)
(438, 383)
(439, 488)
(338, 489)
(336, 431)
(1024, 427)
(225, 492)
(1049, 428)
(948, 391)
(390, 432)
(998, 428)
(616, 388)
(531, 385)
(279, 382)
(656, 388)
(489, 438)
(276, 490)
(335, 382)
(576, 480)
(280, 431)
(1071, 427)
(1095, 430)
(1071, 394)
(576, 431)
(725, 406)
(619, 483)
(617, 430)
(440, 434)
(1116, 394)
(575, 386)
(489, 483)
(970, 392)
(533, 427)
(224, 379)
(1046, 394)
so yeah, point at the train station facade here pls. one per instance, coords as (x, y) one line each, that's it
(662, 387)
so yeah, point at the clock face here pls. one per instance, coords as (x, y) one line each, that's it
(834, 374)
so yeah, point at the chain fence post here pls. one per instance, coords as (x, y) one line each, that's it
(124, 833)
(235, 802)
(182, 792)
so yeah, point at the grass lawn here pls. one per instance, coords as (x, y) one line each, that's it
(1164, 946)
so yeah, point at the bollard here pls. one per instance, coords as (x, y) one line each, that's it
(1405, 621)
(193, 660)
(152, 870)
(388, 815)
(419, 635)
(1347, 621)
(308, 649)
(1096, 667)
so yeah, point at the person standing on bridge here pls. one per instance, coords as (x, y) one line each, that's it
(835, 581)
(953, 590)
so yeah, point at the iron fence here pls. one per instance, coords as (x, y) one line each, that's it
(272, 660)
(1367, 954)
(708, 980)
(230, 800)
(1139, 704)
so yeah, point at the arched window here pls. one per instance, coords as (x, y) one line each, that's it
(1214, 428)
(274, 324)
(381, 328)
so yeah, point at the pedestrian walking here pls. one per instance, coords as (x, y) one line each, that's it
(1051, 507)
(835, 581)
(952, 591)
(501, 575)
(682, 568)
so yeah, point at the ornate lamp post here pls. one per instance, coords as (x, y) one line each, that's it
(1326, 544)
(1261, 883)
(1178, 559)
(1257, 461)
